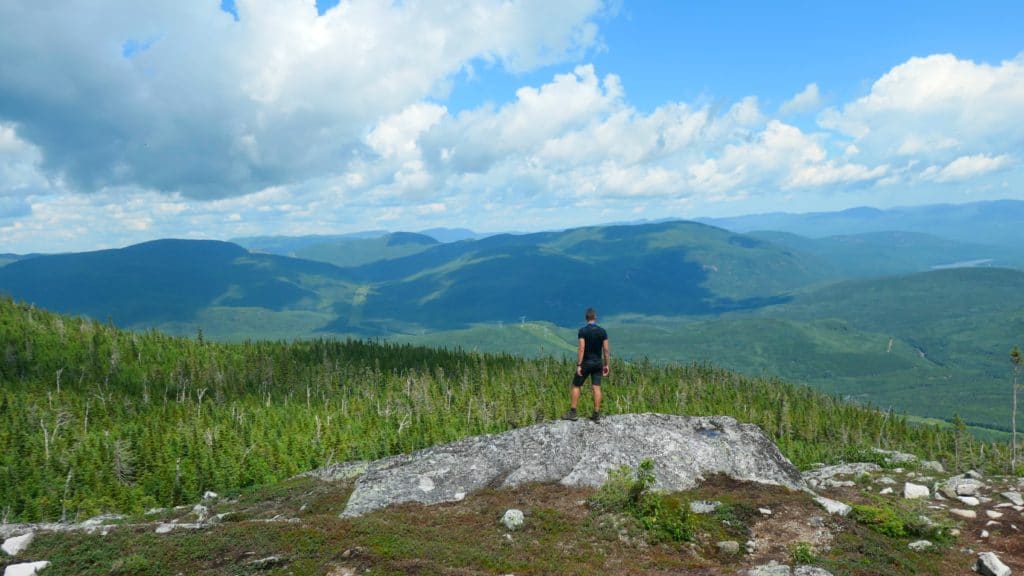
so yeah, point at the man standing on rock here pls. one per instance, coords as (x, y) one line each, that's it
(592, 358)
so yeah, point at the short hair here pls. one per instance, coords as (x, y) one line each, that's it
(591, 314)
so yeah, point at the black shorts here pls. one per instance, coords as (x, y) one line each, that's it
(592, 369)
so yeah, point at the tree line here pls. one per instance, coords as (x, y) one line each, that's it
(95, 419)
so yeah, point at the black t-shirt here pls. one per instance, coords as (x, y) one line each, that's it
(593, 337)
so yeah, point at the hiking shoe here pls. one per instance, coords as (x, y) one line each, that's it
(570, 415)
(595, 417)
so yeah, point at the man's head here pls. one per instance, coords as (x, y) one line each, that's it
(591, 315)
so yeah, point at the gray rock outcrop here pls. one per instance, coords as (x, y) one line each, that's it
(990, 565)
(685, 450)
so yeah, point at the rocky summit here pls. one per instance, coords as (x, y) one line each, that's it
(685, 450)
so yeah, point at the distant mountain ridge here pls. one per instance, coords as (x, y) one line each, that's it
(997, 222)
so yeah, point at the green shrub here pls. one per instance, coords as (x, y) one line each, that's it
(882, 520)
(802, 553)
(662, 517)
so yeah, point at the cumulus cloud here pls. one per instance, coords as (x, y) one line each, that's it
(936, 109)
(967, 167)
(174, 119)
(807, 100)
(178, 96)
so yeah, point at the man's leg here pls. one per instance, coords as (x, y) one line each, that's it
(575, 397)
(597, 397)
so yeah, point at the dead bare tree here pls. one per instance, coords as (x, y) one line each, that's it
(1015, 358)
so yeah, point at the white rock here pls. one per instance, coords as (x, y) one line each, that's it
(968, 514)
(201, 512)
(14, 546)
(984, 533)
(1014, 497)
(993, 514)
(154, 511)
(920, 545)
(210, 495)
(932, 465)
(911, 490)
(163, 528)
(513, 519)
(990, 565)
(973, 474)
(729, 547)
(969, 500)
(26, 569)
(704, 506)
(991, 523)
(810, 571)
(765, 511)
(954, 532)
(885, 480)
(886, 491)
(833, 506)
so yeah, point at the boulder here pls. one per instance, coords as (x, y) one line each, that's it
(26, 568)
(1014, 497)
(833, 506)
(990, 565)
(14, 546)
(685, 450)
(920, 545)
(967, 514)
(912, 491)
(824, 477)
(513, 519)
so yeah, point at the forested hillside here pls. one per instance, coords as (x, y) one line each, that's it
(95, 419)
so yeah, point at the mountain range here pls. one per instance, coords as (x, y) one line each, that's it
(898, 317)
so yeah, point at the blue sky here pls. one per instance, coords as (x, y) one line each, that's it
(200, 118)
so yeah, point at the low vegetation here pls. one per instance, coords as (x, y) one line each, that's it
(94, 419)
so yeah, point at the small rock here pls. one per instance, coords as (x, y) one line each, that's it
(14, 546)
(968, 514)
(932, 465)
(969, 500)
(772, 568)
(704, 506)
(810, 571)
(513, 519)
(210, 495)
(729, 547)
(1014, 497)
(991, 523)
(155, 511)
(886, 491)
(751, 546)
(268, 562)
(993, 514)
(163, 528)
(201, 512)
(885, 480)
(833, 506)
(954, 532)
(26, 568)
(920, 545)
(913, 491)
(97, 521)
(765, 511)
(973, 474)
(984, 534)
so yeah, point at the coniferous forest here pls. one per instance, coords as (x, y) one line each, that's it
(94, 419)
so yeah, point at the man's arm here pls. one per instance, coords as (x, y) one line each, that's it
(607, 349)
(579, 356)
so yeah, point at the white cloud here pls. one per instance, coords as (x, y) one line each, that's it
(937, 108)
(967, 167)
(210, 107)
(807, 100)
